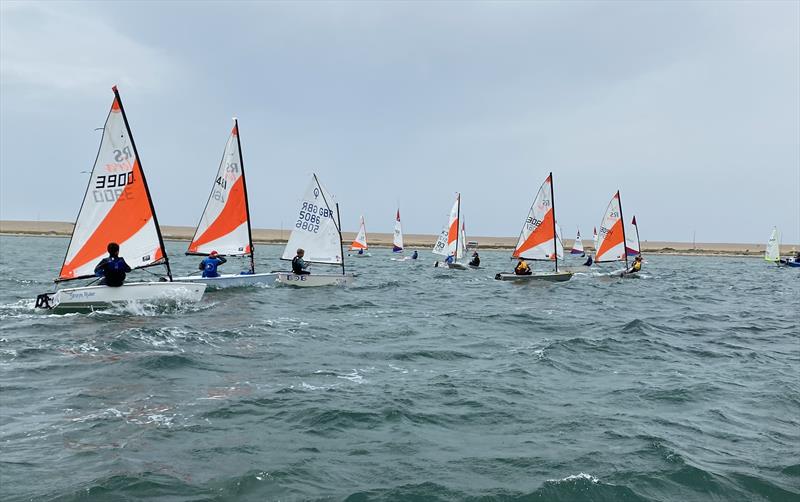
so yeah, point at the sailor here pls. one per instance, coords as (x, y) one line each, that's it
(414, 255)
(112, 269)
(360, 251)
(450, 259)
(637, 265)
(588, 262)
(210, 263)
(298, 264)
(522, 268)
(476, 260)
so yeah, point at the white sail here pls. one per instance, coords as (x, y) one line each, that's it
(397, 239)
(462, 242)
(361, 239)
(440, 247)
(632, 246)
(594, 239)
(316, 229)
(577, 246)
(116, 206)
(773, 252)
(560, 244)
(537, 240)
(224, 226)
(611, 238)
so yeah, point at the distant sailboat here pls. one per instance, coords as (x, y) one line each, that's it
(594, 239)
(451, 240)
(317, 231)
(632, 245)
(224, 226)
(359, 245)
(538, 239)
(577, 246)
(773, 252)
(397, 239)
(116, 208)
(611, 239)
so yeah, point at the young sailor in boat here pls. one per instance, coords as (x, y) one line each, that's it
(450, 259)
(112, 269)
(637, 265)
(414, 255)
(522, 268)
(788, 260)
(588, 262)
(298, 264)
(360, 251)
(476, 260)
(210, 263)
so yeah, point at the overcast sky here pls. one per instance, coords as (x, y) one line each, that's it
(691, 109)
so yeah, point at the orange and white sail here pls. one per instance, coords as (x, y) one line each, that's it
(451, 245)
(360, 241)
(611, 238)
(116, 206)
(397, 239)
(537, 240)
(225, 224)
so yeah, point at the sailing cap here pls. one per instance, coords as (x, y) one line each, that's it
(213, 253)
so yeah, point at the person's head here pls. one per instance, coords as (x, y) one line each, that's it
(639, 257)
(113, 249)
(213, 254)
(475, 253)
(519, 258)
(300, 252)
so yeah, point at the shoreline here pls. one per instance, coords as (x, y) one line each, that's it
(384, 240)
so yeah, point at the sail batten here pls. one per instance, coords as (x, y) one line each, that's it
(116, 207)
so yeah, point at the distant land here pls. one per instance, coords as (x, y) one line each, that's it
(419, 241)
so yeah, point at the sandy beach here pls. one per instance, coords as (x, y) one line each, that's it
(271, 236)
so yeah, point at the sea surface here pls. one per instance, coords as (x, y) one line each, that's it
(414, 384)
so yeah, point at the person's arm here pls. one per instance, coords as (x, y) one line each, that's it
(221, 260)
(127, 267)
(100, 269)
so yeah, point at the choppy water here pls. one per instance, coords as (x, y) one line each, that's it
(415, 384)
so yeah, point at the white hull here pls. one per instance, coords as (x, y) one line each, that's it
(356, 255)
(314, 280)
(551, 277)
(231, 280)
(89, 298)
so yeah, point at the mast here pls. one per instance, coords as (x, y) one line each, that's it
(144, 182)
(339, 228)
(246, 198)
(555, 233)
(458, 226)
(624, 240)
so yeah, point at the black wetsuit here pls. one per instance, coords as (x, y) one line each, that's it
(476, 261)
(298, 264)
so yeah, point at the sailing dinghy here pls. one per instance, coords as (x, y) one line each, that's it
(225, 224)
(611, 240)
(539, 239)
(451, 240)
(773, 252)
(594, 239)
(359, 245)
(116, 208)
(577, 246)
(318, 232)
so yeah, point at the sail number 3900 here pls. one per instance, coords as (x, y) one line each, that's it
(311, 216)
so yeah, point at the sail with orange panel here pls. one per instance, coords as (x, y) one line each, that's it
(360, 242)
(611, 238)
(224, 226)
(116, 207)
